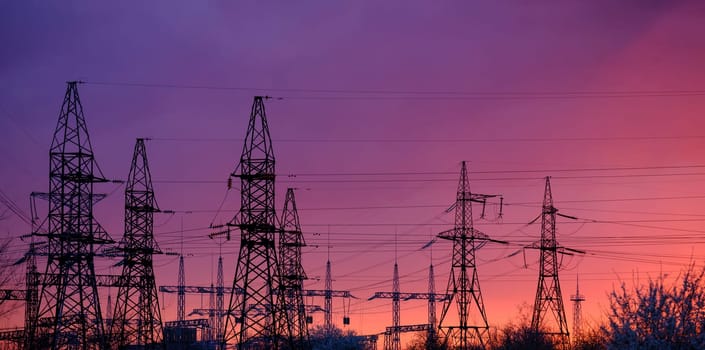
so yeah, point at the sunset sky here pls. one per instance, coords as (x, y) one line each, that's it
(375, 105)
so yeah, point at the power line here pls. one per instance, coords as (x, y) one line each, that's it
(445, 140)
(375, 94)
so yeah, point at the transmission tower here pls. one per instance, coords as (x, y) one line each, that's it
(219, 297)
(463, 283)
(257, 269)
(137, 318)
(181, 294)
(431, 305)
(328, 294)
(32, 280)
(328, 297)
(549, 300)
(577, 300)
(69, 314)
(392, 335)
(291, 240)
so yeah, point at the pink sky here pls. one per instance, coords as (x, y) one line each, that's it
(446, 48)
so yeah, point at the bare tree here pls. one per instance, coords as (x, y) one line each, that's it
(657, 315)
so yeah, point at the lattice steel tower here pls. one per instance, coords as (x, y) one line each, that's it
(549, 300)
(69, 309)
(577, 300)
(395, 339)
(463, 283)
(257, 270)
(137, 319)
(432, 320)
(291, 240)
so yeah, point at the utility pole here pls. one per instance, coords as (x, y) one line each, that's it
(257, 269)
(137, 318)
(463, 283)
(549, 300)
(291, 240)
(577, 300)
(69, 314)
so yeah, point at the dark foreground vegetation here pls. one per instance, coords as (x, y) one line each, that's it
(656, 314)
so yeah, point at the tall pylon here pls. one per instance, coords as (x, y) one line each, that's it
(291, 240)
(577, 300)
(549, 314)
(137, 317)
(69, 314)
(257, 269)
(463, 282)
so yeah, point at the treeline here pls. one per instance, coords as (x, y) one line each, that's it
(652, 315)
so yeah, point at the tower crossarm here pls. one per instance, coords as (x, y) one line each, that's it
(409, 328)
(196, 290)
(331, 293)
(199, 323)
(13, 294)
(409, 296)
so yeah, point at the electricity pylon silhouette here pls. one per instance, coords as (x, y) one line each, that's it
(69, 314)
(549, 300)
(463, 282)
(291, 240)
(577, 300)
(432, 320)
(181, 293)
(137, 318)
(257, 269)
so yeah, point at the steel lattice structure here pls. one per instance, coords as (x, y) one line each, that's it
(549, 300)
(291, 240)
(577, 300)
(137, 317)
(181, 293)
(257, 269)
(463, 282)
(69, 315)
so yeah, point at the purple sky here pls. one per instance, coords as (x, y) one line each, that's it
(439, 48)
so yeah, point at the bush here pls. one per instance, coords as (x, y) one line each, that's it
(655, 316)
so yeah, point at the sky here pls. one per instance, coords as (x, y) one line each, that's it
(606, 97)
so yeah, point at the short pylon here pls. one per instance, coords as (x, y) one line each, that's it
(291, 240)
(137, 320)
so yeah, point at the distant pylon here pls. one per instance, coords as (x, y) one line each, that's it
(396, 335)
(257, 269)
(577, 300)
(69, 314)
(291, 240)
(137, 317)
(328, 298)
(32, 280)
(431, 305)
(549, 300)
(219, 293)
(463, 282)
(181, 294)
